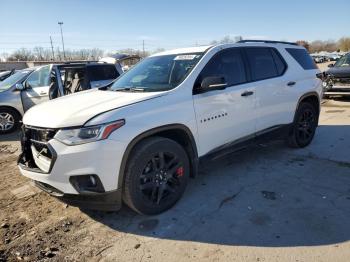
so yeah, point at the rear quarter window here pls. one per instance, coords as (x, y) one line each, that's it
(302, 57)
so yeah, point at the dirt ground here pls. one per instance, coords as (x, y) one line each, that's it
(267, 203)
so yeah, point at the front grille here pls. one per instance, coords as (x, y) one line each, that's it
(37, 155)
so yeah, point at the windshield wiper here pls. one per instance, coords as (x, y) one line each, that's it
(131, 89)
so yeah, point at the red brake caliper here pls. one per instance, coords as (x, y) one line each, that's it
(180, 171)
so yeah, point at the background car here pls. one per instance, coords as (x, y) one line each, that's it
(32, 86)
(333, 57)
(337, 78)
(319, 59)
(11, 106)
(6, 74)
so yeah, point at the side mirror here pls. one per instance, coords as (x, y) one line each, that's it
(211, 83)
(330, 65)
(19, 87)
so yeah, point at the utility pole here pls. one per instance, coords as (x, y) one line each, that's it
(143, 48)
(64, 53)
(53, 53)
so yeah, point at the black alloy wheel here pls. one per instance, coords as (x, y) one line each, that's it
(156, 175)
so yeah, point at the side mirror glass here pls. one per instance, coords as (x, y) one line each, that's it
(330, 65)
(212, 83)
(19, 87)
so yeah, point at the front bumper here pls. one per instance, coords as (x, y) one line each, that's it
(107, 201)
(102, 159)
(337, 90)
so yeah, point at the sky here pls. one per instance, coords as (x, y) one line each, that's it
(114, 25)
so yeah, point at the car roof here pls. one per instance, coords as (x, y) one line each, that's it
(253, 43)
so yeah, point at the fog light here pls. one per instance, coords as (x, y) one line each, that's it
(87, 184)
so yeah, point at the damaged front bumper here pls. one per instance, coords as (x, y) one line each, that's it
(336, 86)
(82, 175)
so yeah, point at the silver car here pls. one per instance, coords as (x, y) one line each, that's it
(29, 87)
(21, 91)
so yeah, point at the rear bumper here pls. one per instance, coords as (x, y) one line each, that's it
(107, 201)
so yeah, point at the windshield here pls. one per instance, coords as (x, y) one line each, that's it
(157, 73)
(10, 81)
(343, 61)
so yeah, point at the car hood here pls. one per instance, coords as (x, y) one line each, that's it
(77, 109)
(339, 71)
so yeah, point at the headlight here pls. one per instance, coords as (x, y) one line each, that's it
(76, 136)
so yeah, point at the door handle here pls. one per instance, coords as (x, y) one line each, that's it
(247, 93)
(291, 83)
(43, 93)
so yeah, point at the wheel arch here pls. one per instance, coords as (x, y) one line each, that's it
(177, 132)
(11, 108)
(314, 99)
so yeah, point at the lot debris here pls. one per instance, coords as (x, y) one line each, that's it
(229, 198)
(49, 252)
(24, 191)
(269, 195)
(5, 225)
(7, 149)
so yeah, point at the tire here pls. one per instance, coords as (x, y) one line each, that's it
(151, 187)
(304, 126)
(9, 120)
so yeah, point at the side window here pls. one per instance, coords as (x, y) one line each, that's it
(227, 63)
(302, 57)
(40, 77)
(280, 64)
(97, 73)
(261, 62)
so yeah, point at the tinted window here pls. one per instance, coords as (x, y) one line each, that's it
(97, 73)
(302, 57)
(229, 64)
(261, 63)
(280, 64)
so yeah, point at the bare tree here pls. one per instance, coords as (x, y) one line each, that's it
(344, 44)
(304, 44)
(21, 55)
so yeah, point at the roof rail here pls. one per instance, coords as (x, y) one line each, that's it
(266, 41)
(80, 62)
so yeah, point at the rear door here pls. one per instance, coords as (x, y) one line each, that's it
(267, 73)
(225, 116)
(36, 87)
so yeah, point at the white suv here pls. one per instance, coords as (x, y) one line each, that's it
(139, 140)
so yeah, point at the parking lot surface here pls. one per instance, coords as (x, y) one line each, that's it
(267, 203)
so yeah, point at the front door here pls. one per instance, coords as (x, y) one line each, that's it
(36, 87)
(225, 116)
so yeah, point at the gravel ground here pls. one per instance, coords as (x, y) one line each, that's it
(267, 203)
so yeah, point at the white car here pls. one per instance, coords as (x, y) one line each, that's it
(139, 140)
